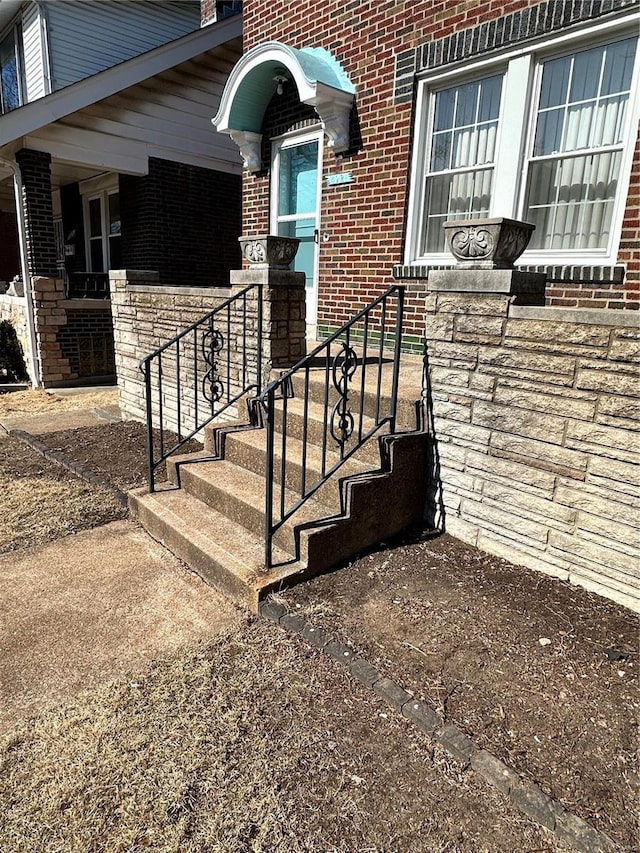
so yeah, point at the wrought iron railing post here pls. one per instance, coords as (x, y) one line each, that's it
(146, 366)
(396, 358)
(208, 343)
(339, 372)
(259, 322)
(269, 405)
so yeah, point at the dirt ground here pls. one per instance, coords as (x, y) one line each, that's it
(541, 673)
(40, 501)
(251, 744)
(37, 402)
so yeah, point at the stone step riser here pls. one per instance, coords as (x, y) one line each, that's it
(405, 414)
(319, 434)
(226, 502)
(252, 458)
(212, 570)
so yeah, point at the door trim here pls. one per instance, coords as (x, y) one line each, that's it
(291, 140)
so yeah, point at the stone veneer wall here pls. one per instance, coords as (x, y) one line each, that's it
(536, 415)
(145, 315)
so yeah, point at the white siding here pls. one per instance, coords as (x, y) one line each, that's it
(34, 55)
(87, 36)
(167, 116)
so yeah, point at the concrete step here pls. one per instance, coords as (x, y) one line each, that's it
(221, 551)
(318, 418)
(239, 495)
(373, 406)
(248, 450)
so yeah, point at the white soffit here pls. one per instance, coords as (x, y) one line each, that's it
(28, 119)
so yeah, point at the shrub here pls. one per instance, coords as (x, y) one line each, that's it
(12, 362)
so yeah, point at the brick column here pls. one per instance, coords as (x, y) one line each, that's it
(35, 170)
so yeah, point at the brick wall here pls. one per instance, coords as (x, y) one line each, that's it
(35, 170)
(381, 46)
(182, 221)
(86, 339)
(536, 412)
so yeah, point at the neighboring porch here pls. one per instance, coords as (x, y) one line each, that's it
(128, 173)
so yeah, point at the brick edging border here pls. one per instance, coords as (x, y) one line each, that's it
(526, 796)
(63, 461)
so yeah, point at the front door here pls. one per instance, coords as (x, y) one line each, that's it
(295, 206)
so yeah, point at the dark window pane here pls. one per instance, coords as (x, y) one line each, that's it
(95, 218)
(115, 252)
(9, 75)
(114, 213)
(445, 102)
(490, 91)
(97, 261)
(555, 80)
(586, 74)
(466, 106)
(618, 66)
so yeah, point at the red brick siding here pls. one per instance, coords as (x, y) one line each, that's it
(182, 221)
(629, 252)
(365, 220)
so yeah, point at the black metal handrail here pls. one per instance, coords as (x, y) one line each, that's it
(201, 372)
(349, 429)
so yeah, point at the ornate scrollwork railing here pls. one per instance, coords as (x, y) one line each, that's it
(356, 405)
(195, 376)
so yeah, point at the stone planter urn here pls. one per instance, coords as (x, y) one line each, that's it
(488, 244)
(269, 251)
(16, 288)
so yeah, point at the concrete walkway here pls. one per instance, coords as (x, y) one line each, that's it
(94, 605)
(91, 607)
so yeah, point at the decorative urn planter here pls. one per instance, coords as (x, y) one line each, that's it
(269, 251)
(489, 244)
(16, 288)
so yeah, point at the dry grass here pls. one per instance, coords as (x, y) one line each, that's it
(39, 501)
(251, 743)
(35, 402)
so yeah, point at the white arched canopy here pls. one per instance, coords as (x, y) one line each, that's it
(320, 81)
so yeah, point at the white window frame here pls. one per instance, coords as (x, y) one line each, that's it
(286, 140)
(91, 189)
(15, 29)
(522, 74)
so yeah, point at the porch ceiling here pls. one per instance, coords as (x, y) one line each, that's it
(165, 114)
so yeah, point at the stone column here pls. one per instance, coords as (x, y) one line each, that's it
(466, 351)
(283, 294)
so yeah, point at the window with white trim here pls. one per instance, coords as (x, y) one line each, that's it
(102, 226)
(545, 137)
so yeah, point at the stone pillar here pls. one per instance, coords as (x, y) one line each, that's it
(50, 318)
(35, 171)
(466, 353)
(284, 314)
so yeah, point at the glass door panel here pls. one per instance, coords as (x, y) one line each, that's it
(296, 206)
